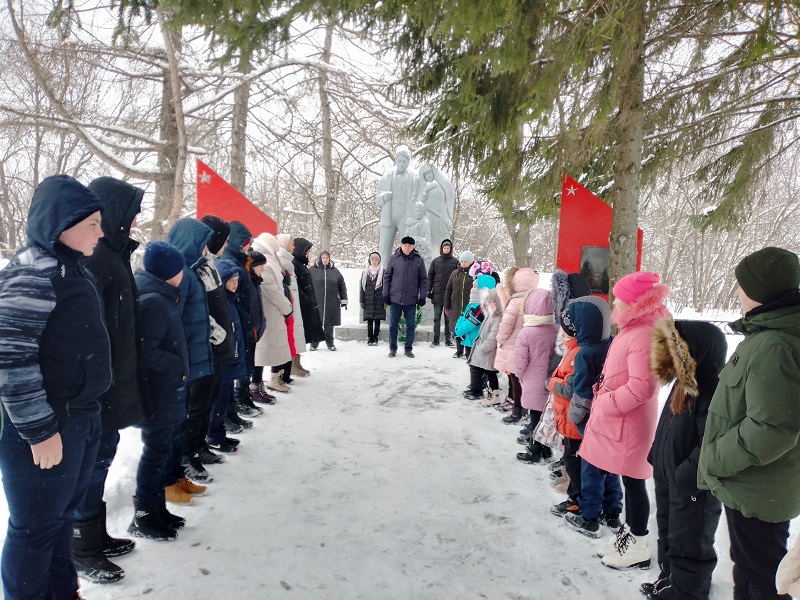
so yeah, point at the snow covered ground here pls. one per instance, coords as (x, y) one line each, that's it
(372, 479)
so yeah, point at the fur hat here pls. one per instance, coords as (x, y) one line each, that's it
(629, 288)
(466, 255)
(221, 231)
(670, 359)
(256, 258)
(408, 240)
(163, 260)
(768, 274)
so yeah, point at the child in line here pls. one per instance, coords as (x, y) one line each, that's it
(484, 350)
(469, 323)
(600, 498)
(371, 298)
(166, 358)
(692, 353)
(532, 353)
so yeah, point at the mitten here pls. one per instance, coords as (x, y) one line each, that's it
(421, 302)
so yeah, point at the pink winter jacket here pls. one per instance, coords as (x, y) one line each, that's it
(534, 349)
(524, 281)
(622, 423)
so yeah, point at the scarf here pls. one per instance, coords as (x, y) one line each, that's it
(375, 273)
(534, 320)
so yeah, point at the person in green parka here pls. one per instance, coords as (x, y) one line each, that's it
(750, 456)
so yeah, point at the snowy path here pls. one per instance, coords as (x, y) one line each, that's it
(373, 479)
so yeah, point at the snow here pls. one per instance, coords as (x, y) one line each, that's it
(372, 479)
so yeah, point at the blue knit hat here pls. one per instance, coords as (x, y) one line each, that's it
(163, 260)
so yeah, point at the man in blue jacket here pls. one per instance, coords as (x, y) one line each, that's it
(405, 285)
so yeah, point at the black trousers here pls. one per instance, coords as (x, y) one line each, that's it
(476, 375)
(437, 319)
(373, 329)
(203, 392)
(686, 526)
(572, 465)
(757, 547)
(637, 505)
(515, 391)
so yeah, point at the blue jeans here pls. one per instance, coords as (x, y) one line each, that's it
(162, 448)
(410, 313)
(89, 509)
(600, 492)
(41, 503)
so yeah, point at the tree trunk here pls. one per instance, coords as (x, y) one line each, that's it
(326, 229)
(520, 241)
(628, 163)
(167, 159)
(241, 106)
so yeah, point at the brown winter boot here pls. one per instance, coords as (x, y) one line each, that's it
(174, 494)
(297, 369)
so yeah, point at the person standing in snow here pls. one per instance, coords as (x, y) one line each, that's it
(55, 365)
(125, 403)
(405, 285)
(456, 294)
(331, 293)
(309, 307)
(438, 275)
(622, 422)
(285, 256)
(750, 457)
(371, 298)
(692, 353)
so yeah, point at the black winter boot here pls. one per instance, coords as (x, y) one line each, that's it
(87, 553)
(114, 546)
(167, 517)
(147, 522)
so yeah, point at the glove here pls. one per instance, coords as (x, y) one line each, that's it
(387, 300)
(686, 478)
(446, 312)
(344, 305)
(421, 302)
(430, 295)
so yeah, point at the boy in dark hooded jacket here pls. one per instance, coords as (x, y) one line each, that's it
(55, 365)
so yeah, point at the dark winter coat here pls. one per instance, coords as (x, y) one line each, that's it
(404, 280)
(239, 234)
(236, 368)
(456, 293)
(439, 273)
(219, 313)
(312, 322)
(259, 322)
(371, 299)
(702, 347)
(190, 236)
(591, 318)
(55, 355)
(330, 291)
(124, 403)
(166, 355)
(750, 457)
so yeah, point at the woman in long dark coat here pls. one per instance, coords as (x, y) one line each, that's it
(371, 298)
(331, 293)
(312, 323)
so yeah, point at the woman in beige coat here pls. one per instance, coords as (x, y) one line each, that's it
(285, 249)
(273, 348)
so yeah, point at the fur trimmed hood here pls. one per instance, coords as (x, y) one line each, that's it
(648, 308)
(670, 358)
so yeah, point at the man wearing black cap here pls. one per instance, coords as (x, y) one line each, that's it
(750, 457)
(405, 284)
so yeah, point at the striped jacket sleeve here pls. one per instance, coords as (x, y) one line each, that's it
(26, 300)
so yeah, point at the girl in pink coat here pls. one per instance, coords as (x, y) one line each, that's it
(532, 353)
(624, 414)
(524, 281)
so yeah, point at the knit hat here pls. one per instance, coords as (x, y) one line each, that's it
(163, 260)
(768, 274)
(256, 258)
(479, 267)
(408, 240)
(485, 281)
(467, 256)
(221, 231)
(567, 325)
(629, 288)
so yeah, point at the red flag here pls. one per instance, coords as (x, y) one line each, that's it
(215, 196)
(583, 232)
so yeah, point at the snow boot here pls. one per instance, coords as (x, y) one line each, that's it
(566, 507)
(448, 342)
(258, 393)
(472, 395)
(611, 521)
(174, 494)
(207, 457)
(630, 552)
(225, 445)
(194, 469)
(492, 398)
(652, 590)
(588, 527)
(276, 383)
(235, 419)
(556, 465)
(299, 370)
(114, 546)
(147, 522)
(189, 487)
(87, 553)
(514, 417)
(167, 517)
